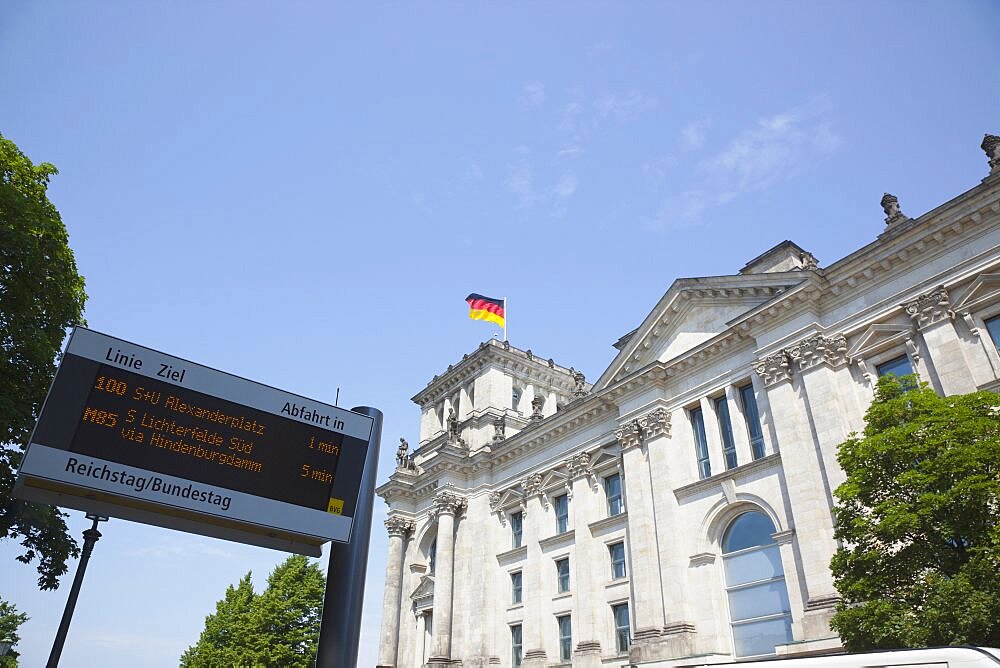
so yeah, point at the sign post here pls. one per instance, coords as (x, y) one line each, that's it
(343, 600)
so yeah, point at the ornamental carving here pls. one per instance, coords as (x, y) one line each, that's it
(819, 349)
(893, 214)
(930, 308)
(991, 145)
(448, 503)
(655, 423)
(536, 407)
(579, 383)
(495, 501)
(499, 427)
(774, 368)
(579, 465)
(397, 526)
(532, 484)
(629, 435)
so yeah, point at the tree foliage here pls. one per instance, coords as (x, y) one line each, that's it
(279, 627)
(41, 295)
(918, 516)
(10, 621)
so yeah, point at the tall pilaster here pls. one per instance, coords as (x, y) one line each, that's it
(398, 529)
(446, 506)
(932, 315)
(591, 555)
(533, 638)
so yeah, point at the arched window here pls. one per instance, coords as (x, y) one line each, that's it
(755, 586)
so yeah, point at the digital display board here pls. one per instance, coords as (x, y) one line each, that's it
(132, 432)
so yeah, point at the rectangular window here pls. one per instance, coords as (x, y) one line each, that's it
(726, 429)
(899, 366)
(617, 560)
(562, 513)
(515, 645)
(613, 490)
(752, 416)
(622, 635)
(701, 443)
(565, 637)
(562, 572)
(993, 327)
(516, 528)
(515, 587)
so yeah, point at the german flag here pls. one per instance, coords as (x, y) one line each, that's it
(486, 308)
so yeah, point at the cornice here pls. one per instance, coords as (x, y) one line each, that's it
(762, 464)
(618, 521)
(502, 354)
(560, 539)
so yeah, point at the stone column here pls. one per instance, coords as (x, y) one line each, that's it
(806, 488)
(446, 507)
(641, 544)
(932, 315)
(533, 638)
(590, 557)
(398, 529)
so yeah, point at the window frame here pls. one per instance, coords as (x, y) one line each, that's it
(517, 588)
(700, 436)
(562, 518)
(758, 446)
(516, 645)
(619, 630)
(722, 416)
(611, 556)
(516, 535)
(563, 582)
(565, 637)
(616, 501)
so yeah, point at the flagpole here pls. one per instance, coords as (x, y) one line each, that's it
(504, 318)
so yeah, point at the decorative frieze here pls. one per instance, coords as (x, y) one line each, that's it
(397, 526)
(448, 503)
(930, 308)
(655, 423)
(819, 349)
(774, 368)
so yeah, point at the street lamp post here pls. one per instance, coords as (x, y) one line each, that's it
(90, 536)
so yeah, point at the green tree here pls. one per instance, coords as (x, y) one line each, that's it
(279, 627)
(918, 516)
(41, 294)
(10, 621)
(227, 637)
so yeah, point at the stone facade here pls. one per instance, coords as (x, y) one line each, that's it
(730, 398)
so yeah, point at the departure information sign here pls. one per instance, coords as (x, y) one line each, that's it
(132, 432)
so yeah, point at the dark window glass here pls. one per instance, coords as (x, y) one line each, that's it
(562, 513)
(515, 587)
(748, 530)
(701, 443)
(613, 490)
(993, 327)
(432, 556)
(622, 639)
(562, 571)
(515, 399)
(726, 429)
(516, 528)
(752, 416)
(617, 560)
(565, 637)
(515, 645)
(900, 367)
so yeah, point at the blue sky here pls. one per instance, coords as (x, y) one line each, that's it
(304, 193)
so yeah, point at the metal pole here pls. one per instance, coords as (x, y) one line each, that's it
(90, 536)
(345, 576)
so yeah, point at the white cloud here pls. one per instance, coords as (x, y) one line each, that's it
(693, 134)
(565, 186)
(622, 106)
(533, 94)
(774, 149)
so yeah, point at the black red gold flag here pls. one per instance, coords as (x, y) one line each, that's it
(486, 308)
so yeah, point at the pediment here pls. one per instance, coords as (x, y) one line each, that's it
(424, 590)
(877, 338)
(691, 312)
(983, 292)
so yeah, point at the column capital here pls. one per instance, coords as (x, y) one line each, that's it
(629, 435)
(930, 308)
(655, 423)
(774, 369)
(819, 349)
(532, 485)
(397, 526)
(448, 503)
